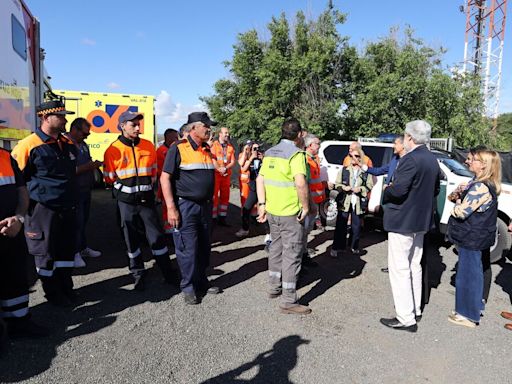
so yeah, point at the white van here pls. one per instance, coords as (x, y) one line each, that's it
(332, 154)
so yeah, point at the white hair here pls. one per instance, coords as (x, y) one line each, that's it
(419, 130)
(309, 139)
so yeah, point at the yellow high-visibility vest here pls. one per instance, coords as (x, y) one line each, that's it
(280, 165)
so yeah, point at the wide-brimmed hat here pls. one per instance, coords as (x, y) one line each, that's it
(53, 107)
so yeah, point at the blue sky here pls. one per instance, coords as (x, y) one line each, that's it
(175, 49)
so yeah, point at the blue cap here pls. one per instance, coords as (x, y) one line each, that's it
(129, 115)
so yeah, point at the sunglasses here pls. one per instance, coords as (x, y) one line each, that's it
(355, 156)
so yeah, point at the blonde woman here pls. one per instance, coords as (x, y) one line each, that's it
(472, 228)
(353, 186)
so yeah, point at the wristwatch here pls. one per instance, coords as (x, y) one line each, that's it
(21, 219)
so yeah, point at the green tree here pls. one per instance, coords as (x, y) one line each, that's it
(294, 73)
(309, 71)
(393, 82)
(504, 129)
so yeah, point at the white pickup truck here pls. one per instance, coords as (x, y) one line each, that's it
(332, 154)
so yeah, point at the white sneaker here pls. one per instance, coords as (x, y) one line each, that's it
(89, 252)
(242, 233)
(268, 239)
(79, 262)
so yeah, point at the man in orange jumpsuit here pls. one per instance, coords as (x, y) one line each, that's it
(316, 192)
(223, 154)
(170, 136)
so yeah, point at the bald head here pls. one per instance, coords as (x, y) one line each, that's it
(355, 146)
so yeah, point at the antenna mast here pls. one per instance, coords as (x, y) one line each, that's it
(483, 48)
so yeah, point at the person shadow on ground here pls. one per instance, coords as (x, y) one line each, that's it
(504, 277)
(432, 266)
(274, 366)
(96, 308)
(329, 273)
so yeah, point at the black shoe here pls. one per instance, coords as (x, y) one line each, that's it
(308, 261)
(385, 270)
(222, 222)
(139, 285)
(190, 298)
(395, 324)
(418, 318)
(26, 328)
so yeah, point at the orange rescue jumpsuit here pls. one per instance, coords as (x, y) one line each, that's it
(222, 155)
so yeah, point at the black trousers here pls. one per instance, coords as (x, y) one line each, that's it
(14, 283)
(252, 199)
(51, 237)
(131, 216)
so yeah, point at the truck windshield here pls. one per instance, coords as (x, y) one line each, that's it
(456, 167)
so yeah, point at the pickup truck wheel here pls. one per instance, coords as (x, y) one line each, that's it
(503, 241)
(329, 210)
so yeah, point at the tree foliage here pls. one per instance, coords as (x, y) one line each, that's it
(294, 73)
(307, 70)
(504, 129)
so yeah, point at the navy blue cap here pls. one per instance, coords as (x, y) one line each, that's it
(129, 115)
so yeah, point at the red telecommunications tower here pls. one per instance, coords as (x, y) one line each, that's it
(483, 48)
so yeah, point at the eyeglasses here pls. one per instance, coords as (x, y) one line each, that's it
(355, 156)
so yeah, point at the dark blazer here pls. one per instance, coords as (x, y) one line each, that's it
(410, 199)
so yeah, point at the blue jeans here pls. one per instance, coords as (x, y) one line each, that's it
(192, 243)
(469, 284)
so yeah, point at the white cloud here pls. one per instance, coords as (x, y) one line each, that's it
(113, 85)
(87, 41)
(173, 114)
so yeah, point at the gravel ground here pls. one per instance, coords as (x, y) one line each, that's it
(116, 335)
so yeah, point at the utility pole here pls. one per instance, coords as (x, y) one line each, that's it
(483, 48)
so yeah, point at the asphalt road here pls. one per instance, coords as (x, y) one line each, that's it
(116, 335)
